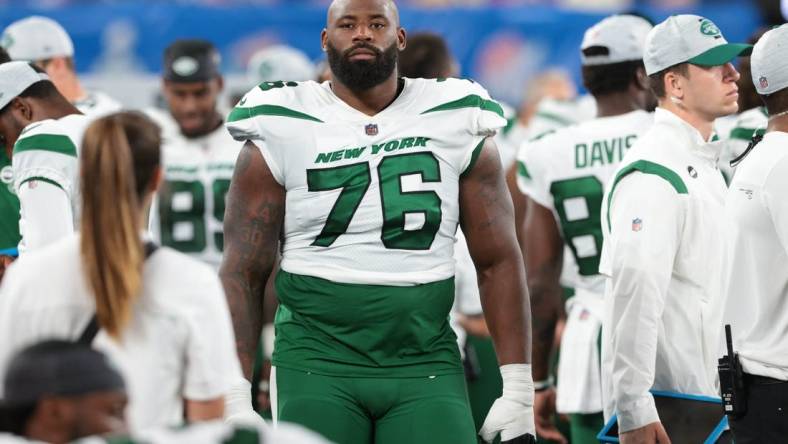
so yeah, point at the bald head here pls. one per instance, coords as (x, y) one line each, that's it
(342, 8)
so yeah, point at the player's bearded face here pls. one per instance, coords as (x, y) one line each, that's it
(362, 74)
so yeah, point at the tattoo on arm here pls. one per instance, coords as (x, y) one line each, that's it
(252, 224)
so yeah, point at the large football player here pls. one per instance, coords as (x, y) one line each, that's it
(198, 153)
(366, 178)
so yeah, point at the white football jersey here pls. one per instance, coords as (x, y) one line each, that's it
(568, 170)
(370, 199)
(97, 104)
(48, 151)
(744, 126)
(189, 209)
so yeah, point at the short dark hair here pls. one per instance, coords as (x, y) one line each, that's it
(4, 57)
(611, 78)
(426, 56)
(776, 102)
(657, 80)
(14, 419)
(43, 89)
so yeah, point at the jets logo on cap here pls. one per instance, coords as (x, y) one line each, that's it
(707, 27)
(185, 66)
(764, 82)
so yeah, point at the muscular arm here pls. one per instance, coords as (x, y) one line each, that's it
(543, 253)
(487, 220)
(519, 200)
(252, 224)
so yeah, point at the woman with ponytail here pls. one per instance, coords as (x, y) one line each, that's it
(160, 315)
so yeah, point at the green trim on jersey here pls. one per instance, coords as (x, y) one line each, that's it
(474, 157)
(646, 167)
(46, 142)
(469, 101)
(359, 330)
(42, 179)
(510, 124)
(522, 170)
(746, 134)
(241, 113)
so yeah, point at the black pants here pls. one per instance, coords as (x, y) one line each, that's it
(766, 420)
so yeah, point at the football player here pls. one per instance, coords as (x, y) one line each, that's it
(366, 178)
(198, 153)
(45, 131)
(564, 174)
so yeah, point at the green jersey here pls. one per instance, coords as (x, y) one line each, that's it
(9, 207)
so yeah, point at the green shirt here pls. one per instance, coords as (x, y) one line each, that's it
(9, 206)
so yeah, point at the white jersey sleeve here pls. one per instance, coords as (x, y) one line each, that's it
(47, 153)
(532, 177)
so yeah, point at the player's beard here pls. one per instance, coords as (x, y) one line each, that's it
(362, 75)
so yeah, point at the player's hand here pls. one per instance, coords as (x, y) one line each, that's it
(5, 262)
(512, 415)
(238, 406)
(544, 412)
(648, 434)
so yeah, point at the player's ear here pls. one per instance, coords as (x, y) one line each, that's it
(674, 85)
(642, 79)
(401, 38)
(324, 39)
(23, 109)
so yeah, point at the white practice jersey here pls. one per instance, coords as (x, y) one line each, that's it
(370, 199)
(567, 171)
(48, 151)
(97, 104)
(189, 210)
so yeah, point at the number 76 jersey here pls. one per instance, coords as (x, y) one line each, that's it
(369, 199)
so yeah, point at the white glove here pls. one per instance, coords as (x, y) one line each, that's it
(513, 413)
(238, 406)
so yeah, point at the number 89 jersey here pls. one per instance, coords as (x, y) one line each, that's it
(189, 210)
(567, 171)
(369, 199)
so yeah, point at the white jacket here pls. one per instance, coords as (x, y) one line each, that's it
(663, 257)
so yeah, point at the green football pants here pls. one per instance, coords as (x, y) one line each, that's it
(584, 427)
(376, 410)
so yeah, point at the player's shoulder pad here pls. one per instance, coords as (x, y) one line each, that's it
(273, 99)
(284, 99)
(446, 94)
(46, 135)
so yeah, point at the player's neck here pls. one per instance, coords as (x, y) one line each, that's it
(778, 123)
(55, 110)
(615, 104)
(704, 125)
(370, 101)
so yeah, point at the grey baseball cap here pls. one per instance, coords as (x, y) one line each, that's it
(623, 37)
(36, 38)
(769, 61)
(15, 77)
(689, 38)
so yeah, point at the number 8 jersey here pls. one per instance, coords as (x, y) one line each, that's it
(369, 199)
(567, 172)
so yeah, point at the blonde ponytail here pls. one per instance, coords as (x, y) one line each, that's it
(111, 247)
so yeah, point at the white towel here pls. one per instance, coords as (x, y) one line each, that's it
(579, 383)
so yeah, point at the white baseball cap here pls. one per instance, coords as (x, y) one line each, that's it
(279, 62)
(769, 61)
(688, 38)
(624, 37)
(36, 38)
(15, 77)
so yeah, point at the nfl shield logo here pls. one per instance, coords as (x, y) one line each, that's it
(371, 129)
(637, 224)
(764, 82)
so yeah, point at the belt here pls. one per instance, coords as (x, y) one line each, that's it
(762, 380)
